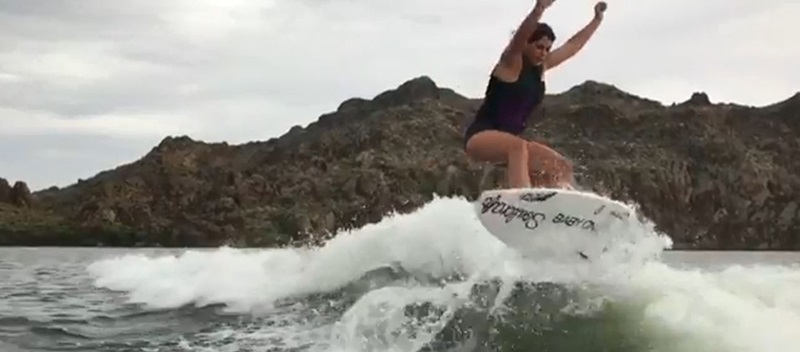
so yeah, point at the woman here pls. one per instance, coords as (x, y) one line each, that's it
(515, 89)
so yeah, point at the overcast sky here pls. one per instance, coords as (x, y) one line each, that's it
(88, 84)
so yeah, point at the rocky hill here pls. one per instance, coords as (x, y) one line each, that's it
(713, 176)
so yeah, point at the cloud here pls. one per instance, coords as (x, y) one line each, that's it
(46, 160)
(26, 123)
(128, 74)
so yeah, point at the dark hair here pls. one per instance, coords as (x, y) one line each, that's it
(542, 30)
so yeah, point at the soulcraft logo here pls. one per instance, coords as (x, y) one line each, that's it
(531, 219)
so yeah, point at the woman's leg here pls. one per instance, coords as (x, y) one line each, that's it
(548, 168)
(497, 146)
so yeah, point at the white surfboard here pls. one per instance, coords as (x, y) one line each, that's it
(553, 223)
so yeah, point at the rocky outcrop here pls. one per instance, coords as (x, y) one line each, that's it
(712, 176)
(5, 191)
(19, 195)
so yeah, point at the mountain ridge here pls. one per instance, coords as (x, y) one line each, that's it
(396, 151)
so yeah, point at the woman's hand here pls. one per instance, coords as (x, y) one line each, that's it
(544, 4)
(599, 9)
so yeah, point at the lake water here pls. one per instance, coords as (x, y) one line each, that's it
(430, 281)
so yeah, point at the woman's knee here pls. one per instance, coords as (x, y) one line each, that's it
(548, 160)
(564, 166)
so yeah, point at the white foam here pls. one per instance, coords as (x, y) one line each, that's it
(378, 321)
(737, 309)
(741, 309)
(441, 239)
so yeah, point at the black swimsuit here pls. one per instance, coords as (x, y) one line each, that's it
(507, 106)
